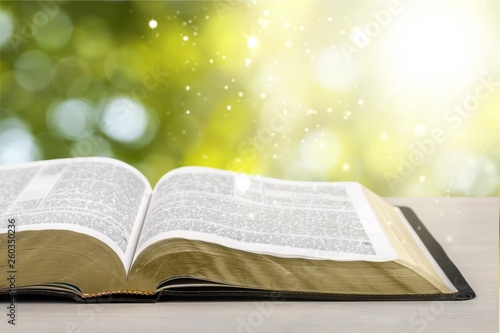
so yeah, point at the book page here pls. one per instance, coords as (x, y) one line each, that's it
(101, 197)
(262, 215)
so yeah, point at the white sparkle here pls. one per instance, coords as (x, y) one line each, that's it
(242, 182)
(421, 179)
(383, 136)
(420, 130)
(252, 42)
(153, 24)
(361, 102)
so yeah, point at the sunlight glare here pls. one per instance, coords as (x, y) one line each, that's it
(434, 47)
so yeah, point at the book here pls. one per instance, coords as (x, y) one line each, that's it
(93, 229)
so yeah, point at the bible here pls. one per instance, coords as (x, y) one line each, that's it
(94, 229)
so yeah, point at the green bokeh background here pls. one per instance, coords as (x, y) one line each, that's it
(403, 97)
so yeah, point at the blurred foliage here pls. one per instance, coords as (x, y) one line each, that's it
(403, 97)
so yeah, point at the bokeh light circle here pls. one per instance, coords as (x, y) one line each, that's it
(72, 118)
(124, 120)
(33, 70)
(6, 28)
(56, 32)
(18, 144)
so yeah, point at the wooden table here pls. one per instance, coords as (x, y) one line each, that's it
(467, 228)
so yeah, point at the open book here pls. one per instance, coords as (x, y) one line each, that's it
(93, 228)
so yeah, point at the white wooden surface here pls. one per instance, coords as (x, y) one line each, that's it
(467, 228)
